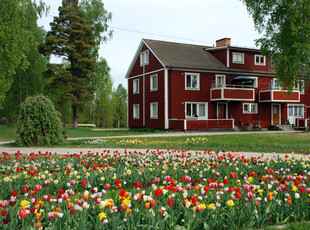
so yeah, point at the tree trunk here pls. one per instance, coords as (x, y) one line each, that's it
(75, 116)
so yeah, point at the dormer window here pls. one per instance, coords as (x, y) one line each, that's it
(144, 58)
(238, 58)
(260, 60)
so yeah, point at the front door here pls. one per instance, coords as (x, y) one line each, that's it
(275, 114)
(221, 111)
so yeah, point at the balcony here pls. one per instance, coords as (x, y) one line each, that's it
(232, 92)
(273, 93)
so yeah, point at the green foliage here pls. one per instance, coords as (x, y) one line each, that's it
(16, 38)
(27, 81)
(39, 123)
(71, 38)
(103, 114)
(98, 17)
(120, 106)
(285, 25)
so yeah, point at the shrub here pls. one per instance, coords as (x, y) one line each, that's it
(39, 123)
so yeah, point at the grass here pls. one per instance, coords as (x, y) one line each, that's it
(279, 143)
(8, 134)
(275, 142)
(89, 132)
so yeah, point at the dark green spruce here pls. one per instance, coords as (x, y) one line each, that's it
(72, 39)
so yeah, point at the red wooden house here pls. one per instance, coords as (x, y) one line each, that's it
(184, 86)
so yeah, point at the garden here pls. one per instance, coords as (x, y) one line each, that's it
(171, 189)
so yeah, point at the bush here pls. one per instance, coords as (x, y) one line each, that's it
(39, 123)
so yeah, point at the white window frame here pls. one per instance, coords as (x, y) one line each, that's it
(144, 58)
(135, 87)
(220, 81)
(259, 63)
(192, 75)
(300, 86)
(155, 78)
(153, 115)
(197, 104)
(235, 59)
(250, 108)
(136, 111)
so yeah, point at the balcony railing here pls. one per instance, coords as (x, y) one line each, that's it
(275, 93)
(232, 92)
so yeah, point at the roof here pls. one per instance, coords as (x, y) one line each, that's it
(192, 57)
(179, 55)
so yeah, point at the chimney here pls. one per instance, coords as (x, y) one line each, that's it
(223, 42)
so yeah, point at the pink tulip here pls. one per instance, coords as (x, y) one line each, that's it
(73, 182)
(47, 182)
(246, 187)
(188, 187)
(50, 215)
(198, 208)
(250, 195)
(308, 190)
(3, 204)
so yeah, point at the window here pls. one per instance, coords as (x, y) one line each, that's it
(144, 58)
(136, 111)
(260, 60)
(249, 107)
(154, 110)
(192, 81)
(136, 86)
(275, 84)
(255, 81)
(196, 110)
(238, 58)
(299, 85)
(153, 82)
(220, 81)
(295, 111)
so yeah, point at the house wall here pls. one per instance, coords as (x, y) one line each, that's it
(154, 64)
(154, 96)
(179, 95)
(249, 62)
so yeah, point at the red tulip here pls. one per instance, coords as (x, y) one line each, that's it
(23, 213)
(3, 213)
(153, 202)
(83, 183)
(158, 192)
(6, 220)
(107, 186)
(38, 188)
(170, 202)
(72, 211)
(14, 193)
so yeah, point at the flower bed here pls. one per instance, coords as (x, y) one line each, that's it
(152, 190)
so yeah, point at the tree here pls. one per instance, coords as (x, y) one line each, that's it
(98, 17)
(15, 39)
(39, 123)
(27, 81)
(103, 98)
(120, 106)
(71, 38)
(285, 25)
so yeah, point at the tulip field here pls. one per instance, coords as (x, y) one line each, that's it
(171, 189)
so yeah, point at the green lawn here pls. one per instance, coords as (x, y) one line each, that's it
(273, 142)
(7, 133)
(280, 143)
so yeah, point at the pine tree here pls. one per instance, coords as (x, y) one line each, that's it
(72, 39)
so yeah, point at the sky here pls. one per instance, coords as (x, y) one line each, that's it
(186, 21)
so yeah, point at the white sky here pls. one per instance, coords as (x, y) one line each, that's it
(197, 21)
